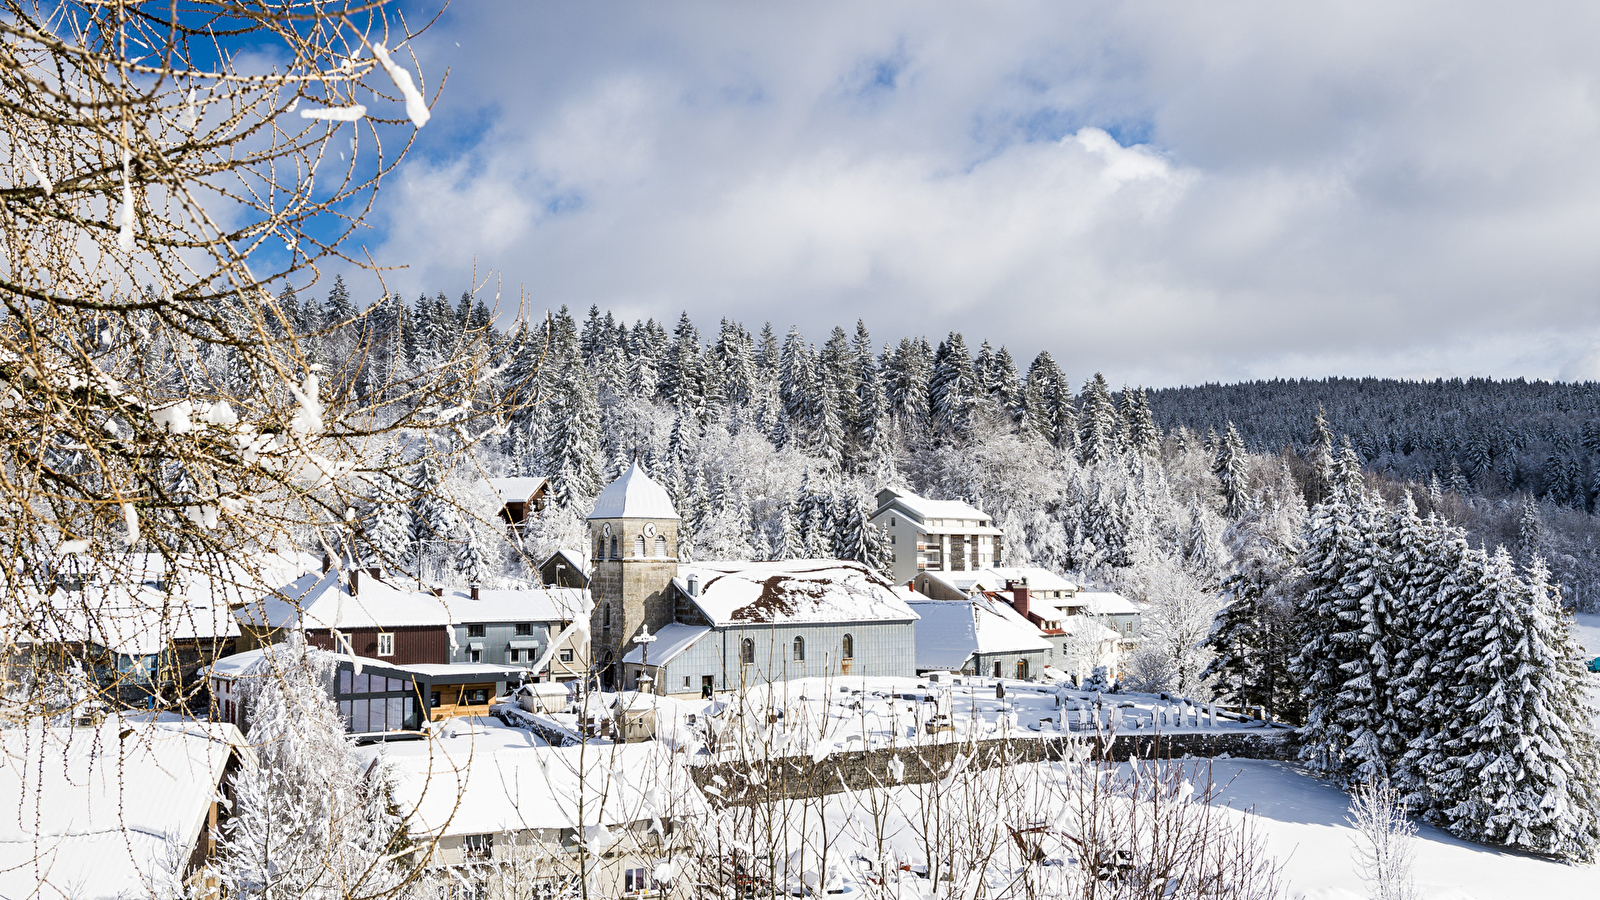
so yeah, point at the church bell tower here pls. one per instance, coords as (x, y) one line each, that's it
(633, 535)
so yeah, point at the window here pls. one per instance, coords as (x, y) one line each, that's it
(636, 881)
(513, 655)
(614, 547)
(747, 652)
(385, 645)
(566, 656)
(478, 846)
(524, 629)
(433, 700)
(799, 649)
(638, 546)
(891, 522)
(475, 697)
(848, 651)
(475, 655)
(891, 539)
(661, 546)
(605, 616)
(998, 672)
(686, 685)
(474, 631)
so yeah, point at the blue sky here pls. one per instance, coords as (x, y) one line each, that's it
(1168, 193)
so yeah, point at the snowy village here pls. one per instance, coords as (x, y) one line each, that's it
(558, 453)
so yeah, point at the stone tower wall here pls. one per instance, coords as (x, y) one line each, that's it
(635, 587)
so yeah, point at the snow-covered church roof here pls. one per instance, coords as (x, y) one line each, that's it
(792, 591)
(634, 496)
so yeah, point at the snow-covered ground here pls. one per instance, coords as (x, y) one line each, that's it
(1304, 822)
(1301, 820)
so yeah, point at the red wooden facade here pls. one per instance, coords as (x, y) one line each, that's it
(412, 645)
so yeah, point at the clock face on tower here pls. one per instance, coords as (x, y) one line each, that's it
(605, 530)
(649, 529)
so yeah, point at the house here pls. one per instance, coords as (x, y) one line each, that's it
(141, 632)
(743, 623)
(936, 535)
(492, 809)
(713, 626)
(362, 613)
(128, 807)
(564, 569)
(375, 698)
(978, 637)
(522, 500)
(1084, 629)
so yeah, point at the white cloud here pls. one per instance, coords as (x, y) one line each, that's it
(1172, 193)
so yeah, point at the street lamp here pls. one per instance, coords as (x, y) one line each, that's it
(644, 640)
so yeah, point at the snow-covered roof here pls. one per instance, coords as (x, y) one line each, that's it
(671, 640)
(634, 495)
(927, 509)
(994, 578)
(523, 605)
(323, 600)
(950, 631)
(796, 590)
(463, 672)
(1105, 603)
(518, 489)
(946, 634)
(961, 582)
(96, 812)
(485, 783)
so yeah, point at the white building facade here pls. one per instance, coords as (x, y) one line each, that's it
(936, 535)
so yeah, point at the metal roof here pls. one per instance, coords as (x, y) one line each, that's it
(633, 496)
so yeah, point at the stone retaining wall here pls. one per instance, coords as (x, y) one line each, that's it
(790, 778)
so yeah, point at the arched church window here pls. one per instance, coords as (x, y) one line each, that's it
(747, 652)
(638, 546)
(799, 649)
(661, 546)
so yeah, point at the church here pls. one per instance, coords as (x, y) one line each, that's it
(692, 628)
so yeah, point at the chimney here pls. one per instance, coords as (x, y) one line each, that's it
(694, 585)
(474, 592)
(326, 563)
(355, 581)
(1019, 596)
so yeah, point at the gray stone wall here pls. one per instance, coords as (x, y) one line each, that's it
(789, 779)
(634, 587)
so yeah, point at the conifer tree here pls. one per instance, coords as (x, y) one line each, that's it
(952, 389)
(683, 377)
(388, 524)
(791, 543)
(309, 819)
(1139, 424)
(339, 308)
(1229, 467)
(1098, 440)
(1334, 550)
(1527, 754)
(572, 443)
(1530, 530)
